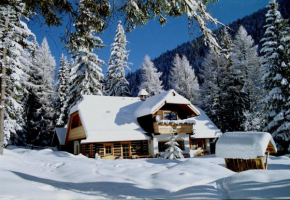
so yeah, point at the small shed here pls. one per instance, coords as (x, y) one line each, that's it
(59, 138)
(245, 150)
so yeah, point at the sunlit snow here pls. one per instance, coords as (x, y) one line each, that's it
(44, 174)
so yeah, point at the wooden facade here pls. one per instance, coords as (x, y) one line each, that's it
(77, 133)
(75, 130)
(239, 165)
(172, 112)
(114, 150)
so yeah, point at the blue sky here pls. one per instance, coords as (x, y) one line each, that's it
(152, 39)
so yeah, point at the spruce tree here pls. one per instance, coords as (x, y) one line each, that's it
(183, 79)
(173, 151)
(245, 58)
(215, 76)
(116, 84)
(211, 89)
(276, 77)
(69, 101)
(17, 43)
(88, 78)
(150, 77)
(40, 105)
(62, 91)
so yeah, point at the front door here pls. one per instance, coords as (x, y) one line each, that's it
(126, 150)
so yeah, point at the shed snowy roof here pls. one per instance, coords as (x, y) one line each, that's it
(61, 133)
(107, 118)
(204, 127)
(152, 104)
(245, 145)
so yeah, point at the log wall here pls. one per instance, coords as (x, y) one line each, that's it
(238, 165)
(137, 148)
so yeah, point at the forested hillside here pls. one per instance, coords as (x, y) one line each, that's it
(195, 50)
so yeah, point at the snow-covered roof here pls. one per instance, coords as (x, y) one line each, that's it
(107, 118)
(143, 92)
(152, 104)
(244, 145)
(204, 127)
(61, 133)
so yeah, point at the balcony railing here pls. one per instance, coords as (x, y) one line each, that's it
(77, 133)
(175, 126)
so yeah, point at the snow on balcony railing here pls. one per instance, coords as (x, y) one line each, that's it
(181, 121)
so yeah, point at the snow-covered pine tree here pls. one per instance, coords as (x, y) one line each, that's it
(116, 84)
(62, 91)
(235, 99)
(173, 151)
(69, 100)
(88, 77)
(17, 44)
(283, 129)
(183, 79)
(32, 103)
(276, 77)
(210, 90)
(245, 59)
(215, 79)
(150, 77)
(40, 105)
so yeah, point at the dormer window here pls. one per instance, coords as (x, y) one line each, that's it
(169, 115)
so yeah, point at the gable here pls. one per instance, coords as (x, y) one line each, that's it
(169, 98)
(75, 129)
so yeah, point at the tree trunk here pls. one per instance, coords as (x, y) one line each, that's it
(2, 86)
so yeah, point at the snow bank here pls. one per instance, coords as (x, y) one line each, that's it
(45, 174)
(189, 173)
(256, 184)
(245, 145)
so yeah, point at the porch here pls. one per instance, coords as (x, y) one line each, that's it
(201, 147)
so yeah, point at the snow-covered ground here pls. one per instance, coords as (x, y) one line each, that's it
(44, 174)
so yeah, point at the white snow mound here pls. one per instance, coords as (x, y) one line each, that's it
(254, 184)
(244, 145)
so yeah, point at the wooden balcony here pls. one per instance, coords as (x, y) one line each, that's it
(77, 133)
(166, 128)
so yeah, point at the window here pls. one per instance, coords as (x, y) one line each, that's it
(198, 144)
(162, 146)
(126, 149)
(168, 115)
(108, 149)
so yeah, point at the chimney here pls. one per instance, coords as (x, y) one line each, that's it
(143, 94)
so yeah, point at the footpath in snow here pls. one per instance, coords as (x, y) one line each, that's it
(44, 174)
